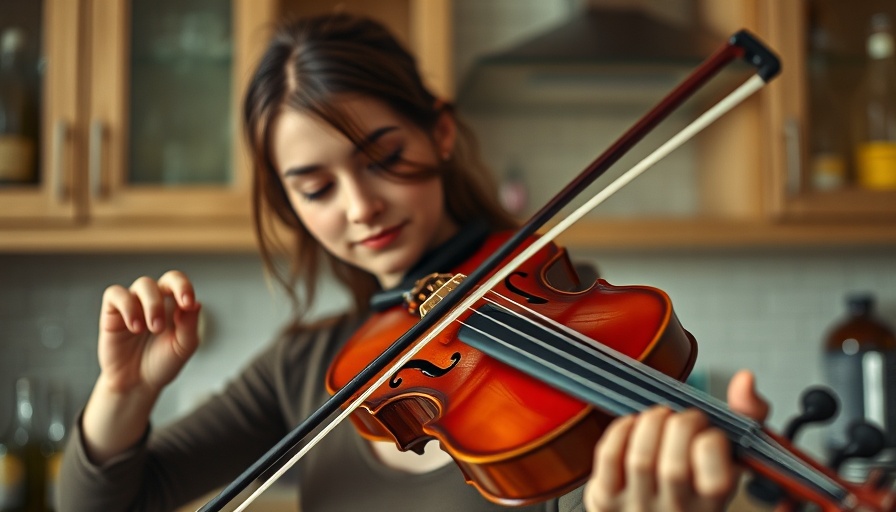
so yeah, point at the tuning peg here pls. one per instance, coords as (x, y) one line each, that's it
(818, 404)
(865, 440)
(764, 490)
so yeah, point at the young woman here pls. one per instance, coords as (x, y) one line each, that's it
(379, 183)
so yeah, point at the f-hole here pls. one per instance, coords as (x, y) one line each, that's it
(531, 299)
(425, 367)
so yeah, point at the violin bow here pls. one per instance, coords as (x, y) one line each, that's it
(741, 45)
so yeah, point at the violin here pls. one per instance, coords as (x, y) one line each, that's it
(516, 367)
(518, 440)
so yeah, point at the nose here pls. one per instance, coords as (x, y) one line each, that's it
(364, 204)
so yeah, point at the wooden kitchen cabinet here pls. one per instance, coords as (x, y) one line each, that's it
(756, 183)
(141, 146)
(52, 31)
(162, 130)
(823, 43)
(424, 26)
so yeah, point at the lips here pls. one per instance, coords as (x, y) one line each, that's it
(382, 239)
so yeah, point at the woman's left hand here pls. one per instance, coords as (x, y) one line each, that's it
(664, 461)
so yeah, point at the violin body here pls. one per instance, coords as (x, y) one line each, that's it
(516, 439)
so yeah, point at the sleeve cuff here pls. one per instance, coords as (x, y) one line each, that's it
(133, 455)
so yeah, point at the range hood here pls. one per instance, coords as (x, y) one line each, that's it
(600, 57)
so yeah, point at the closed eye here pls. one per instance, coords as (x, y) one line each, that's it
(316, 194)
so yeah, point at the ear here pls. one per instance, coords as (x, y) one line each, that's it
(445, 134)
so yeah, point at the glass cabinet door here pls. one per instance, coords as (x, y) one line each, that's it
(166, 80)
(834, 54)
(39, 53)
(180, 109)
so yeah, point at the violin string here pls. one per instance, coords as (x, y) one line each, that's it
(647, 374)
(750, 437)
(596, 381)
(600, 379)
(650, 387)
(746, 89)
(745, 432)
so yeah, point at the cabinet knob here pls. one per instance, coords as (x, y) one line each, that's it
(60, 135)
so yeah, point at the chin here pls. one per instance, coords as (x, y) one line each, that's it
(394, 267)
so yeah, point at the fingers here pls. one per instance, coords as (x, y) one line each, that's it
(175, 284)
(143, 304)
(674, 467)
(715, 474)
(743, 398)
(146, 291)
(644, 447)
(661, 460)
(121, 311)
(186, 331)
(608, 479)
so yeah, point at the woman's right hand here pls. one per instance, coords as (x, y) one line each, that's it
(147, 332)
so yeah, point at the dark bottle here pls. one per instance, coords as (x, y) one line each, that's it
(860, 365)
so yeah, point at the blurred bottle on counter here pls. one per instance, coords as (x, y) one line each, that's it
(18, 112)
(876, 123)
(860, 366)
(12, 468)
(54, 443)
(827, 130)
(22, 466)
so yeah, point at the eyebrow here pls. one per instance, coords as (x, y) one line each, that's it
(371, 138)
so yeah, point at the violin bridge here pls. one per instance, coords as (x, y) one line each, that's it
(429, 291)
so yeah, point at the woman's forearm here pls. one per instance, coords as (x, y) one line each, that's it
(114, 421)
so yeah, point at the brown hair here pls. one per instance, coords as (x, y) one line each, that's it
(306, 64)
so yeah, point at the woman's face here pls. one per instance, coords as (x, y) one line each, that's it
(358, 213)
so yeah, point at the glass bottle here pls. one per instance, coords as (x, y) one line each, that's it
(12, 470)
(55, 442)
(827, 137)
(18, 112)
(876, 126)
(860, 366)
(25, 448)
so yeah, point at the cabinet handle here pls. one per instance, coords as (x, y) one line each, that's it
(60, 133)
(793, 151)
(95, 155)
